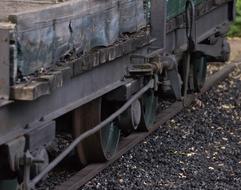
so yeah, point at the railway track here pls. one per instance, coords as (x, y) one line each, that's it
(87, 173)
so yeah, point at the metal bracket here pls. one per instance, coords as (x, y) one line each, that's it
(218, 52)
(41, 137)
(148, 64)
(125, 92)
(27, 161)
(153, 64)
(171, 67)
(15, 152)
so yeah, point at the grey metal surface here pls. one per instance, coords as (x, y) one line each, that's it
(124, 92)
(15, 151)
(4, 63)
(41, 137)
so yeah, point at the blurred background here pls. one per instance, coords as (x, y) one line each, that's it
(235, 30)
(234, 36)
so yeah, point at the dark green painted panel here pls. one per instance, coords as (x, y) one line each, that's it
(175, 7)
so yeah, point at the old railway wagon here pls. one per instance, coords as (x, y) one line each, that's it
(75, 64)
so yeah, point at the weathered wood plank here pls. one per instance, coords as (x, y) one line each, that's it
(30, 91)
(38, 18)
(48, 33)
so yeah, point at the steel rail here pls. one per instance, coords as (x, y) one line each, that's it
(112, 117)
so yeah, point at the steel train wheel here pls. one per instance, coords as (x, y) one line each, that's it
(149, 104)
(109, 137)
(131, 118)
(101, 146)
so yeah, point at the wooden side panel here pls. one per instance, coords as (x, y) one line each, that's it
(45, 35)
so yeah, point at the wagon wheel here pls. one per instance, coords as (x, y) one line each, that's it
(102, 145)
(148, 105)
(130, 120)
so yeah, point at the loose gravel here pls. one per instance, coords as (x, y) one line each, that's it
(64, 170)
(198, 149)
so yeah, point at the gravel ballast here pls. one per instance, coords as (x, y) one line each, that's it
(200, 148)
